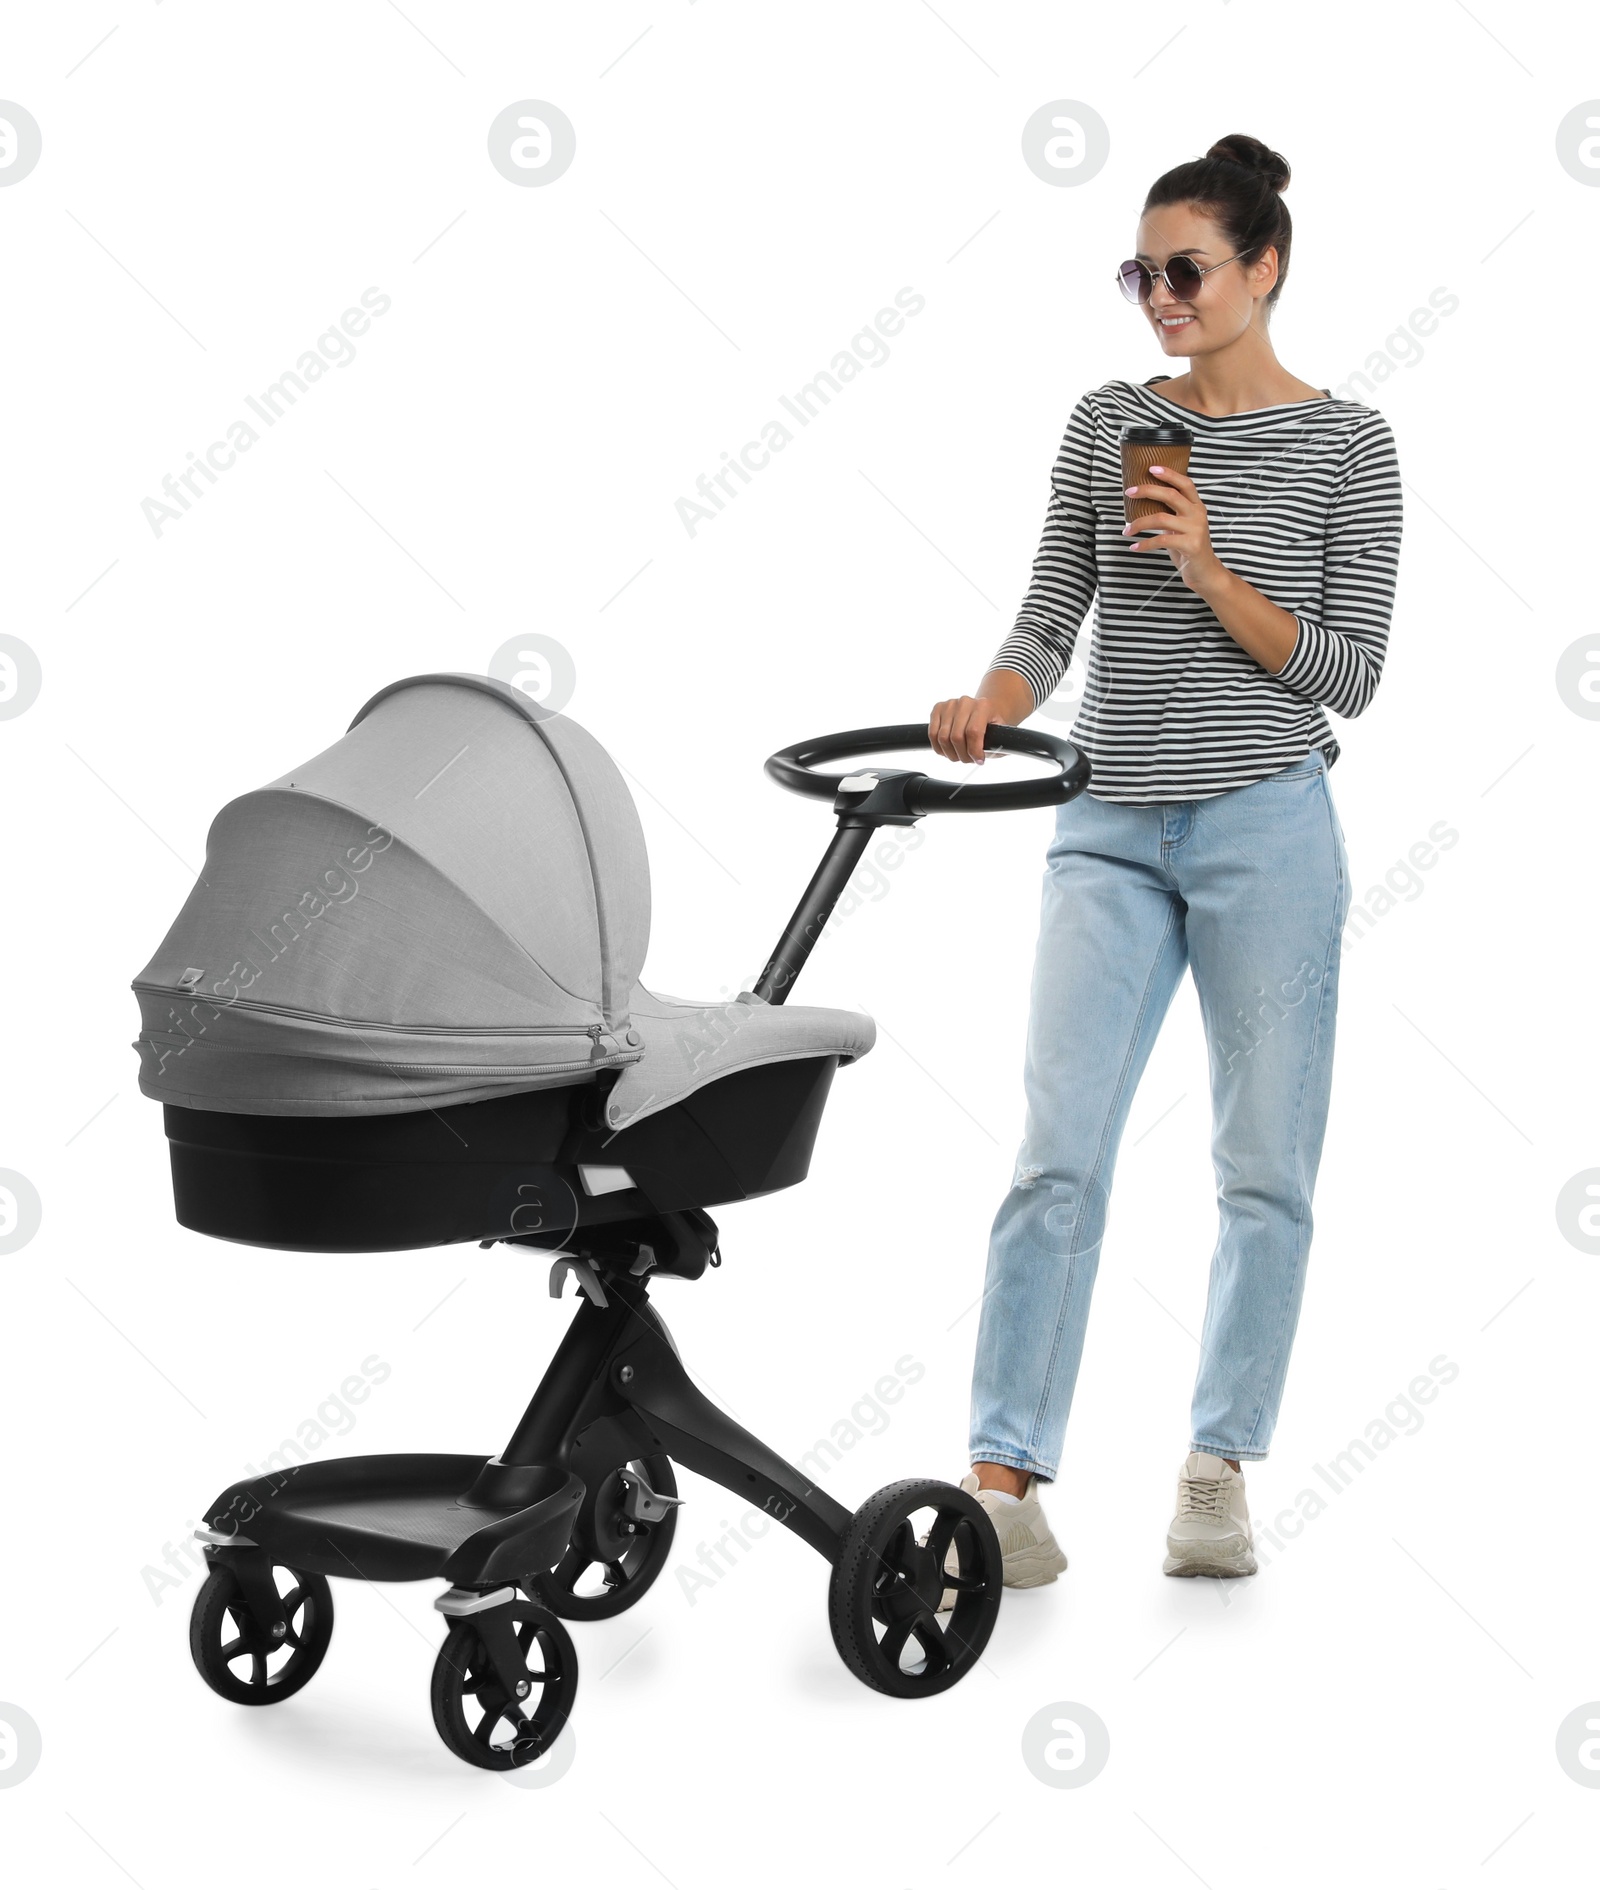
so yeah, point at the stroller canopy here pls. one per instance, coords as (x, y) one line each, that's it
(452, 902)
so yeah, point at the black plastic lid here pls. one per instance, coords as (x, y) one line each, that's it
(1157, 436)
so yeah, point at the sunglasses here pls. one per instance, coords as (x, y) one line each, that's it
(1182, 275)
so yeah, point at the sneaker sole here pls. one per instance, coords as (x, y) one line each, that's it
(1032, 1568)
(1206, 1558)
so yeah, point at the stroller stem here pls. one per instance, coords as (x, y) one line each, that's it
(811, 915)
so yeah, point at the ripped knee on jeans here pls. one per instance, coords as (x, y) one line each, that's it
(1027, 1174)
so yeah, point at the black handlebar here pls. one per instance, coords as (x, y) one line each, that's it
(893, 797)
(793, 768)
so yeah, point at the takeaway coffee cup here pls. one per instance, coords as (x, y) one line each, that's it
(1142, 448)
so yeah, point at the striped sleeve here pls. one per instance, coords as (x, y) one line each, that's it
(1337, 657)
(1063, 582)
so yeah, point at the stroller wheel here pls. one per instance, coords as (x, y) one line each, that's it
(476, 1717)
(610, 1562)
(884, 1593)
(238, 1658)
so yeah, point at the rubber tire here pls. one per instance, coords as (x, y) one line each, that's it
(658, 1473)
(211, 1623)
(456, 1657)
(849, 1615)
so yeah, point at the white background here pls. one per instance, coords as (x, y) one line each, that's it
(503, 456)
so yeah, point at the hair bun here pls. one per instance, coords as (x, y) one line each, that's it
(1254, 156)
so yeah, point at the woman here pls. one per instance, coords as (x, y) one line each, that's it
(1206, 838)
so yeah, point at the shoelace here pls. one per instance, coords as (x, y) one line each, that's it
(1202, 1496)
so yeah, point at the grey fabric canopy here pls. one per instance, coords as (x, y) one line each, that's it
(450, 903)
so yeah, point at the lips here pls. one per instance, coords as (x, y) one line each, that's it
(1171, 322)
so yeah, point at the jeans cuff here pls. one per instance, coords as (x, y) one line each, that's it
(1233, 1451)
(1013, 1460)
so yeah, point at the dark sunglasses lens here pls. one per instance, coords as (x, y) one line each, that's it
(1135, 280)
(1184, 277)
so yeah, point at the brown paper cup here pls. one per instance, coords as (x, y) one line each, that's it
(1137, 459)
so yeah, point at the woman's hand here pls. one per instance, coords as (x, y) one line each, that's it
(1186, 536)
(956, 727)
(1255, 623)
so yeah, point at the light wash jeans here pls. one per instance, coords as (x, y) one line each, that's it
(1250, 889)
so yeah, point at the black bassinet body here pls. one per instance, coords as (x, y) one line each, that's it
(402, 1006)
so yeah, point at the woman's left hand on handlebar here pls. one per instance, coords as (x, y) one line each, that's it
(1186, 537)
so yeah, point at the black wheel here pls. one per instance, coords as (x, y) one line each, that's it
(477, 1719)
(610, 1563)
(239, 1659)
(886, 1586)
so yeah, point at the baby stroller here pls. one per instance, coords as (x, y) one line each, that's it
(402, 1008)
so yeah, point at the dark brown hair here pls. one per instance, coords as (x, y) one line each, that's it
(1239, 184)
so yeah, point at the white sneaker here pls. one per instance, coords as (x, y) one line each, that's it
(1210, 1535)
(1030, 1554)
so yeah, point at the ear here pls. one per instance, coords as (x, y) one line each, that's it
(1264, 270)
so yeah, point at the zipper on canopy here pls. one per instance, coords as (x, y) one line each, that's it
(361, 1023)
(491, 1071)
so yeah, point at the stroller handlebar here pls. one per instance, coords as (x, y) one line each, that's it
(794, 768)
(893, 797)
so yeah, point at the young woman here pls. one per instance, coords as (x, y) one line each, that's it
(1206, 838)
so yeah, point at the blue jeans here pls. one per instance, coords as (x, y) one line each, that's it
(1250, 890)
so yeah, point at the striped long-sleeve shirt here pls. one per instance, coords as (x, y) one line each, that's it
(1304, 503)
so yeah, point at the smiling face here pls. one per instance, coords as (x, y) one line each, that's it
(1228, 301)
